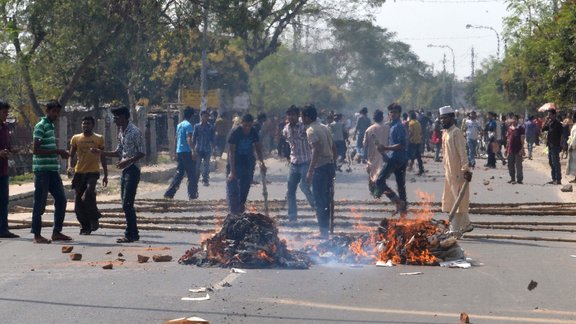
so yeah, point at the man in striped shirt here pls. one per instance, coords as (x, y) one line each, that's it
(295, 134)
(46, 164)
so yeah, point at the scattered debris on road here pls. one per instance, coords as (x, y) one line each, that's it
(108, 266)
(143, 258)
(416, 273)
(464, 318)
(249, 241)
(533, 284)
(67, 249)
(187, 320)
(75, 256)
(207, 297)
(162, 258)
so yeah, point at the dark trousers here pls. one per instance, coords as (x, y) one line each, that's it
(128, 186)
(186, 165)
(48, 182)
(4, 197)
(322, 181)
(203, 166)
(414, 153)
(515, 167)
(85, 207)
(399, 171)
(554, 161)
(237, 190)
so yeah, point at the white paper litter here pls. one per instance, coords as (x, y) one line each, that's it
(236, 270)
(573, 256)
(384, 264)
(411, 273)
(196, 298)
(462, 264)
(198, 290)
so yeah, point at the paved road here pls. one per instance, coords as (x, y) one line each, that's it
(40, 284)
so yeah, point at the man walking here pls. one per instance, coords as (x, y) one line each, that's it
(554, 142)
(376, 134)
(45, 165)
(473, 129)
(242, 143)
(531, 129)
(186, 161)
(515, 150)
(130, 150)
(6, 151)
(203, 144)
(294, 132)
(396, 160)
(415, 143)
(362, 124)
(456, 172)
(321, 170)
(86, 175)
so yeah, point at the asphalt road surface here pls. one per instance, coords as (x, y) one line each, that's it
(39, 284)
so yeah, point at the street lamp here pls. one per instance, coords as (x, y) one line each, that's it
(453, 68)
(468, 26)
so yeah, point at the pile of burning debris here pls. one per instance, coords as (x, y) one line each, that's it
(399, 241)
(246, 241)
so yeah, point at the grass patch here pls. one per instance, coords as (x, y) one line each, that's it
(22, 178)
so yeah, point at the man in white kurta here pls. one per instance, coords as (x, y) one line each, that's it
(456, 171)
(376, 134)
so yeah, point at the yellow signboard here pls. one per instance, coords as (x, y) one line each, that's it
(193, 98)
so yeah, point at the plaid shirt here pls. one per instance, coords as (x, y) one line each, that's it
(299, 148)
(130, 142)
(203, 137)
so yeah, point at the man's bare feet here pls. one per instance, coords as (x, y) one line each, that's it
(39, 239)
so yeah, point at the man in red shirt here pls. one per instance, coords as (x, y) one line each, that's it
(515, 149)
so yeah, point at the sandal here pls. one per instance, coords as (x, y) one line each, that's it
(124, 240)
(56, 236)
(41, 240)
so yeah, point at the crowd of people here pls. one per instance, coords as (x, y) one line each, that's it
(315, 143)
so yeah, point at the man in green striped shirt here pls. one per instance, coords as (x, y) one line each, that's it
(46, 164)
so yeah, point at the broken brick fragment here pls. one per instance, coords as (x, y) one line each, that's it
(108, 266)
(464, 318)
(75, 256)
(67, 249)
(162, 258)
(143, 258)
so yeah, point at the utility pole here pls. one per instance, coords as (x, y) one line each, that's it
(472, 62)
(444, 77)
(203, 81)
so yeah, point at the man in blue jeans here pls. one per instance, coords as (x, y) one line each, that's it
(242, 143)
(203, 144)
(295, 134)
(396, 157)
(46, 165)
(5, 151)
(130, 150)
(321, 170)
(184, 158)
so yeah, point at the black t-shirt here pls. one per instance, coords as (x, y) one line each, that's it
(244, 145)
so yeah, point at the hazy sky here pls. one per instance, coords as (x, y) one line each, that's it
(443, 22)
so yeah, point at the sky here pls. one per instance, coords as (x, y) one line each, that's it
(443, 22)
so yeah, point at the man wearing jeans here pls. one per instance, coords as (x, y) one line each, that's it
(295, 134)
(396, 157)
(515, 150)
(242, 143)
(46, 165)
(321, 170)
(185, 158)
(202, 144)
(554, 142)
(473, 129)
(5, 152)
(130, 150)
